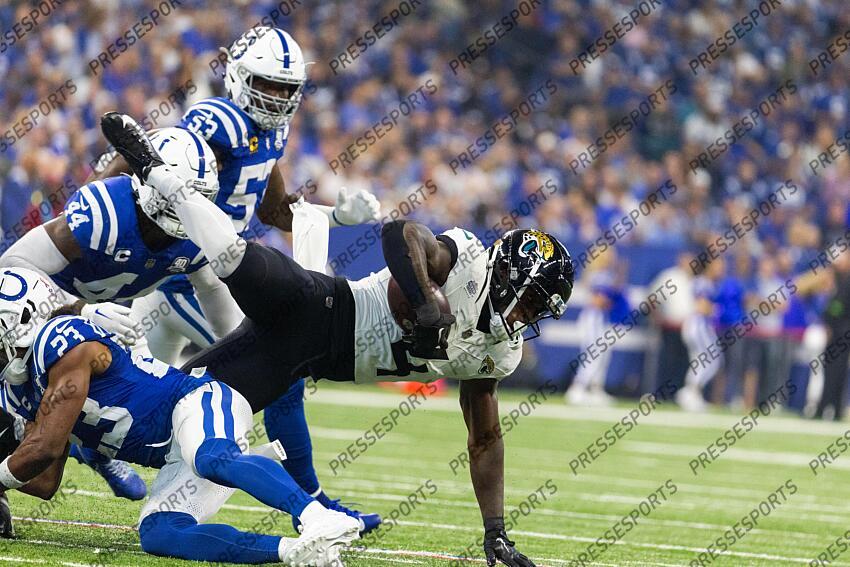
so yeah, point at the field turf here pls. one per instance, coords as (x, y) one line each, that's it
(569, 514)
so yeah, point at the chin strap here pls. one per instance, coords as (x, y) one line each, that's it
(499, 328)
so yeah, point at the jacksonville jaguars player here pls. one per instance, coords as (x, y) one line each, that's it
(248, 129)
(80, 384)
(117, 241)
(300, 322)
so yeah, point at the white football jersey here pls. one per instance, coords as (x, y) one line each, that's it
(380, 354)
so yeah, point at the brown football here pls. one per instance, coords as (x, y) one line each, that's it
(403, 312)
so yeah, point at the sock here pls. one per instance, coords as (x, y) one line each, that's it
(175, 534)
(206, 225)
(221, 461)
(285, 421)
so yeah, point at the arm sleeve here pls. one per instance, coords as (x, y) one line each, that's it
(397, 256)
(35, 251)
(219, 307)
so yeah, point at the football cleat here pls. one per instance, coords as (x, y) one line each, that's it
(130, 140)
(368, 521)
(7, 530)
(321, 541)
(124, 481)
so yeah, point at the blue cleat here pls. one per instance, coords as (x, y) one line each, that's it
(368, 522)
(124, 481)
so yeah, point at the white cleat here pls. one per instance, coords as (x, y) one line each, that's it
(690, 399)
(576, 395)
(322, 539)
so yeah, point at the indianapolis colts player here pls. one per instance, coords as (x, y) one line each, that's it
(117, 241)
(346, 330)
(248, 130)
(78, 383)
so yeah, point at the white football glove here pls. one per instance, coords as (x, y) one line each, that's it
(356, 208)
(114, 318)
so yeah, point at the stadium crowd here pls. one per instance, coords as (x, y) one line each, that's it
(722, 102)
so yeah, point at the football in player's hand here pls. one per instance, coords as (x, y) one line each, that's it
(403, 312)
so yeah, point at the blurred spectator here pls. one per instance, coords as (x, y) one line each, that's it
(673, 355)
(837, 320)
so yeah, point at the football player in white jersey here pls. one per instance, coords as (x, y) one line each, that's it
(248, 130)
(300, 322)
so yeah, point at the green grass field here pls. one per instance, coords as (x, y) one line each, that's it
(538, 450)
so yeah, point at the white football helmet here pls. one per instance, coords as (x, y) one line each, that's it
(191, 158)
(26, 302)
(268, 55)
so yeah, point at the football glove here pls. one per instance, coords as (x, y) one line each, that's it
(11, 433)
(114, 318)
(356, 208)
(498, 548)
(429, 338)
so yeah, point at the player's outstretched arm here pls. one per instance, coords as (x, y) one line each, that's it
(47, 441)
(480, 406)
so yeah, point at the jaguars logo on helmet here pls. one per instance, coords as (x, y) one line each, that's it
(536, 243)
(529, 267)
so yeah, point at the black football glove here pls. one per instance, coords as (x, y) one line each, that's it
(8, 437)
(7, 531)
(429, 338)
(497, 546)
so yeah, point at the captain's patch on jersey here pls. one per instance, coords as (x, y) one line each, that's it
(487, 366)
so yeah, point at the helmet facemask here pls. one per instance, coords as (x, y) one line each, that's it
(265, 76)
(536, 295)
(269, 111)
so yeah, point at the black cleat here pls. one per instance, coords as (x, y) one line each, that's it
(131, 141)
(7, 530)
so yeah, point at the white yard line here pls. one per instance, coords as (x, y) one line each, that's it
(19, 560)
(626, 543)
(556, 410)
(455, 528)
(785, 458)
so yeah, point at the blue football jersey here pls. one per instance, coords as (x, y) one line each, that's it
(115, 263)
(127, 412)
(247, 154)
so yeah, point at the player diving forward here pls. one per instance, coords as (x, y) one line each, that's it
(299, 322)
(80, 384)
(248, 130)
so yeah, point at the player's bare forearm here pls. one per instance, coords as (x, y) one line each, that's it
(274, 208)
(46, 484)
(480, 407)
(47, 440)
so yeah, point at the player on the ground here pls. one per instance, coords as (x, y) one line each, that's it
(116, 241)
(80, 384)
(300, 322)
(248, 129)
